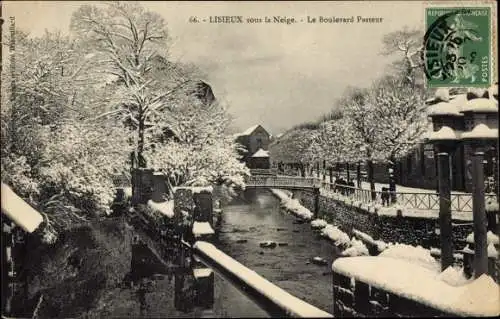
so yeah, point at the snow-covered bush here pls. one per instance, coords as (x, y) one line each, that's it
(334, 233)
(356, 248)
(81, 160)
(319, 223)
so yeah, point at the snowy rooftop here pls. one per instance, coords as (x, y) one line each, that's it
(445, 133)
(481, 131)
(261, 153)
(481, 105)
(22, 214)
(249, 130)
(476, 298)
(445, 108)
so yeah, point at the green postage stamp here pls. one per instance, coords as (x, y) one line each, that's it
(457, 47)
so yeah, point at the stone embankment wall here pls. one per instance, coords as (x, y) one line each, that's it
(358, 299)
(405, 229)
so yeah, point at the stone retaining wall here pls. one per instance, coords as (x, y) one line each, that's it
(354, 298)
(405, 230)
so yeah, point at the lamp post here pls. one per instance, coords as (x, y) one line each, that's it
(445, 141)
(392, 183)
(477, 112)
(447, 123)
(479, 138)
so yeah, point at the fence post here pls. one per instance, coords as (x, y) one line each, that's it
(316, 201)
(479, 216)
(445, 211)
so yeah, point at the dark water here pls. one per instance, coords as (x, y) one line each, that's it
(189, 293)
(260, 219)
(192, 289)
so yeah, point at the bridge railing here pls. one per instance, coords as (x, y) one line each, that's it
(460, 202)
(282, 181)
(264, 171)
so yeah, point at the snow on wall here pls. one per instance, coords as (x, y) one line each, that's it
(22, 214)
(416, 255)
(195, 190)
(410, 280)
(164, 208)
(202, 272)
(202, 228)
(490, 238)
(293, 306)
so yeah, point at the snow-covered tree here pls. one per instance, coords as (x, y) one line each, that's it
(202, 153)
(51, 155)
(401, 118)
(129, 45)
(297, 146)
(408, 44)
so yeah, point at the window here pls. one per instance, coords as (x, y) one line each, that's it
(259, 142)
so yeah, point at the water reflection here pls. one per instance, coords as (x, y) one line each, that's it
(185, 288)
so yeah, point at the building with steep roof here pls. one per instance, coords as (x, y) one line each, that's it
(255, 140)
(464, 114)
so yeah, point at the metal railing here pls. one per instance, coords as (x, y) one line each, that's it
(460, 202)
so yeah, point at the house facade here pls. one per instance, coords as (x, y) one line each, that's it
(254, 139)
(419, 168)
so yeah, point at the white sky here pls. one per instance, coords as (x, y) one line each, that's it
(276, 75)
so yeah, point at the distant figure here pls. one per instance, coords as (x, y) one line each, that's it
(351, 183)
(341, 183)
(385, 196)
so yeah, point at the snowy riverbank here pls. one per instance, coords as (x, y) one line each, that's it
(351, 246)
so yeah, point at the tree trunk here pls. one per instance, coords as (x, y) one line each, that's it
(302, 170)
(140, 146)
(348, 172)
(324, 170)
(330, 171)
(370, 179)
(358, 175)
(317, 169)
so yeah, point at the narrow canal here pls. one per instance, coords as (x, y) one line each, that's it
(247, 223)
(194, 290)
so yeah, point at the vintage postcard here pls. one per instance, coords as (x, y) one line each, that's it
(176, 159)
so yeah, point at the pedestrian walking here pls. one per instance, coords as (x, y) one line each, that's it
(385, 196)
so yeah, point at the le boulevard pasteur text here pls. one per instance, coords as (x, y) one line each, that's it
(292, 20)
